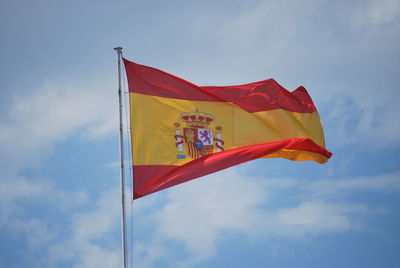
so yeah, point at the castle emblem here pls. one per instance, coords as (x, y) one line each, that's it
(197, 138)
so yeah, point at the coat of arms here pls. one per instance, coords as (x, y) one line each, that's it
(197, 139)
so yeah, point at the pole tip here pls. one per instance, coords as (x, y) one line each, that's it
(118, 49)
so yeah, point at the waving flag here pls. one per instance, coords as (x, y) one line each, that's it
(181, 131)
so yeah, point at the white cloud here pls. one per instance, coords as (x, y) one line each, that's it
(14, 190)
(145, 254)
(20, 187)
(351, 122)
(80, 239)
(88, 242)
(333, 188)
(37, 231)
(377, 13)
(37, 121)
(199, 214)
(314, 217)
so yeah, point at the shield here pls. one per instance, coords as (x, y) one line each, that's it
(199, 141)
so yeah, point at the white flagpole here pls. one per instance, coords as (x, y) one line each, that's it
(121, 145)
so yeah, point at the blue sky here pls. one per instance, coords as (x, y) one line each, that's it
(59, 180)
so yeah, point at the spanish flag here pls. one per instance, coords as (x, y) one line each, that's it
(181, 131)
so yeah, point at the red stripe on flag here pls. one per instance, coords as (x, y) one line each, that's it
(254, 97)
(153, 178)
(265, 95)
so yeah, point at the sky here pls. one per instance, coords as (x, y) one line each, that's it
(59, 156)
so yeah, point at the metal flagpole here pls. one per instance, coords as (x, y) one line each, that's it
(121, 145)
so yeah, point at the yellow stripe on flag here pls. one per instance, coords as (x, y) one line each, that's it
(154, 119)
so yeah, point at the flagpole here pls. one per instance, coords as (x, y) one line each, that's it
(122, 171)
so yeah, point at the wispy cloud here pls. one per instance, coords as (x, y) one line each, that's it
(199, 216)
(85, 238)
(377, 14)
(50, 114)
(90, 240)
(385, 183)
(34, 125)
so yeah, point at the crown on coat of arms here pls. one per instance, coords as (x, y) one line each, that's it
(197, 119)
